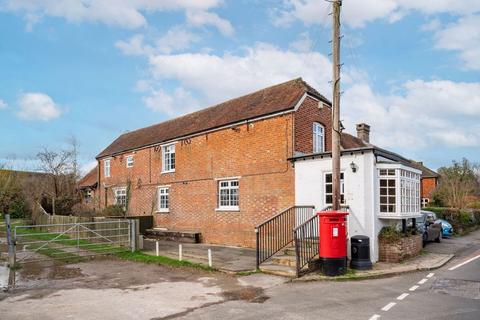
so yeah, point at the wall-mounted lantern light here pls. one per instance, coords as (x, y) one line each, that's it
(353, 166)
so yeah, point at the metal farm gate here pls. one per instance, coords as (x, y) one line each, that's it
(71, 242)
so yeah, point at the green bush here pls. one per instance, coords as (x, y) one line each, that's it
(18, 207)
(113, 210)
(390, 234)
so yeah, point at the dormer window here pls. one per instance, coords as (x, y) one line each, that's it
(318, 138)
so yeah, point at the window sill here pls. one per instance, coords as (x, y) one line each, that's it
(227, 209)
(169, 171)
(162, 211)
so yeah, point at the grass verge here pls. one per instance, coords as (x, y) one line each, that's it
(139, 256)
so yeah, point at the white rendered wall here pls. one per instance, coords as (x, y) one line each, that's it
(359, 192)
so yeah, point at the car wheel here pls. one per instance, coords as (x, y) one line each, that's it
(439, 238)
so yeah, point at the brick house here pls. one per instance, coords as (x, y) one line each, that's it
(88, 186)
(221, 170)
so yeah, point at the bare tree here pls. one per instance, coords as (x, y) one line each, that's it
(59, 166)
(6, 186)
(458, 183)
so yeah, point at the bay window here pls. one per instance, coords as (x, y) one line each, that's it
(399, 191)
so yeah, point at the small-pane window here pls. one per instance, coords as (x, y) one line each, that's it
(129, 161)
(387, 195)
(318, 137)
(228, 194)
(163, 199)
(329, 189)
(168, 159)
(121, 196)
(106, 167)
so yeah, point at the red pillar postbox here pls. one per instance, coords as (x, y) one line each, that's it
(333, 242)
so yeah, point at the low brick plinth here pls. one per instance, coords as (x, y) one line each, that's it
(401, 249)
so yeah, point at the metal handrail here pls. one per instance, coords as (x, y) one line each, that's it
(276, 233)
(307, 240)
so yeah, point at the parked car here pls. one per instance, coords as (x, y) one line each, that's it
(447, 228)
(430, 229)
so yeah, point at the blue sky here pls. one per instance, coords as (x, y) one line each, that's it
(97, 68)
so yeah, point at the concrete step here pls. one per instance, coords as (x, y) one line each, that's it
(288, 251)
(285, 260)
(279, 270)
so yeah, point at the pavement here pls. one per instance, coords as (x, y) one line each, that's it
(425, 261)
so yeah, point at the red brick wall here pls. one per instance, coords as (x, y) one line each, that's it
(256, 152)
(305, 116)
(404, 249)
(428, 186)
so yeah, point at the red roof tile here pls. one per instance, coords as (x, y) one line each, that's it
(278, 98)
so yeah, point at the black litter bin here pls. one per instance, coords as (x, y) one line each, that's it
(360, 246)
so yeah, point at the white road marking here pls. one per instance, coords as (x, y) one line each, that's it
(402, 296)
(413, 288)
(464, 263)
(423, 281)
(374, 317)
(389, 306)
(430, 275)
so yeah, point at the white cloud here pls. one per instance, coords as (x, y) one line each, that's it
(425, 113)
(202, 18)
(178, 103)
(303, 43)
(124, 13)
(37, 106)
(357, 13)
(175, 39)
(3, 104)
(219, 77)
(462, 36)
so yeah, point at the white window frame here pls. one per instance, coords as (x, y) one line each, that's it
(106, 168)
(407, 189)
(169, 150)
(318, 132)
(116, 192)
(229, 187)
(129, 161)
(163, 191)
(342, 188)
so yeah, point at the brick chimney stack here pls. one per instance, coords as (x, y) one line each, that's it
(363, 132)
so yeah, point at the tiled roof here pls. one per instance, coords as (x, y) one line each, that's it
(278, 98)
(426, 172)
(348, 141)
(89, 180)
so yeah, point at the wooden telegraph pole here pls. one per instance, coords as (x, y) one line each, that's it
(336, 104)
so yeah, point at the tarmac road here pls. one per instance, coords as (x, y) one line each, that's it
(441, 294)
(115, 289)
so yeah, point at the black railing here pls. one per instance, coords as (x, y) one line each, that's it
(307, 240)
(276, 233)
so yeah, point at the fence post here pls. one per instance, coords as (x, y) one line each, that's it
(133, 234)
(157, 248)
(210, 257)
(11, 251)
(258, 248)
(180, 252)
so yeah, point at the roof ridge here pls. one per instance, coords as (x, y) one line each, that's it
(299, 79)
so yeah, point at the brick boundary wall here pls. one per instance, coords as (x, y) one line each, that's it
(403, 249)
